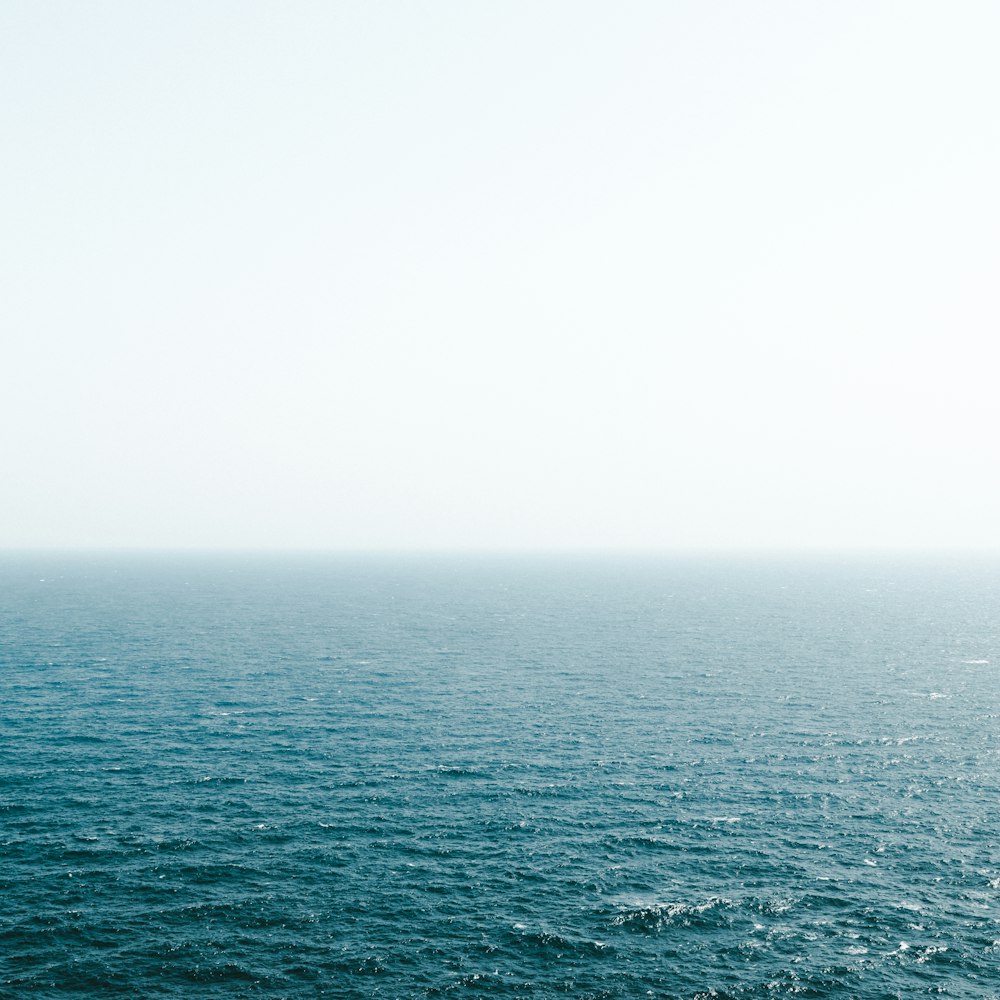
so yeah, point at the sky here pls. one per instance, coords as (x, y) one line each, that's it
(532, 274)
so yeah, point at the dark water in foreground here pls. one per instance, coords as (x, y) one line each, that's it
(292, 777)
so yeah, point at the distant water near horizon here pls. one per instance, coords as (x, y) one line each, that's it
(231, 776)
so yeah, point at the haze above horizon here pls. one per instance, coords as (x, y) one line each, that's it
(455, 276)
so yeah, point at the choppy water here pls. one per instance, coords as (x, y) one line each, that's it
(292, 777)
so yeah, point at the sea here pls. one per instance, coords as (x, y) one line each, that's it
(522, 776)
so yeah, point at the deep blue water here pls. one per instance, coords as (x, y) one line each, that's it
(240, 776)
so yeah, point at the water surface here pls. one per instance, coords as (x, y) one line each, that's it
(250, 776)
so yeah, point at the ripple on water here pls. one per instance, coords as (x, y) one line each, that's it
(679, 779)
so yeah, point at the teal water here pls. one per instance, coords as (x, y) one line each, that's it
(239, 776)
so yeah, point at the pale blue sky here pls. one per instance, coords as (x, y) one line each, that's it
(499, 275)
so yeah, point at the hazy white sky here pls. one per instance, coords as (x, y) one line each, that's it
(531, 273)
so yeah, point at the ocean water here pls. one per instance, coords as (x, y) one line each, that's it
(250, 776)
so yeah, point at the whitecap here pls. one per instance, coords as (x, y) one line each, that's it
(641, 910)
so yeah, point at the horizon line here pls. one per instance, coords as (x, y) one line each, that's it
(512, 551)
